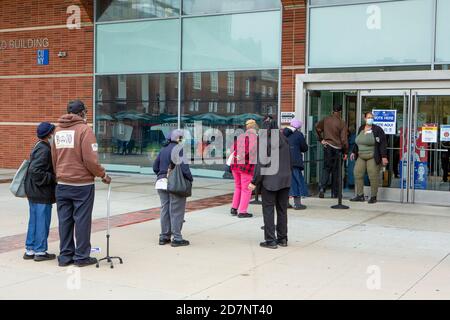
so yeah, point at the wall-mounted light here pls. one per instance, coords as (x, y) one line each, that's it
(62, 54)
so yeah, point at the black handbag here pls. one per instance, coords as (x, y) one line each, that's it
(177, 183)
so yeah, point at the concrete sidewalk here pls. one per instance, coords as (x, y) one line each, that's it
(382, 251)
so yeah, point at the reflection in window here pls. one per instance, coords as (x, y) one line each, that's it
(134, 47)
(134, 115)
(214, 81)
(219, 6)
(110, 10)
(234, 41)
(231, 83)
(223, 111)
(247, 87)
(383, 32)
(197, 81)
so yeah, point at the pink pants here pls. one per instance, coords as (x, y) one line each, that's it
(242, 194)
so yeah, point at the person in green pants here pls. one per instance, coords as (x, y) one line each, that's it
(370, 152)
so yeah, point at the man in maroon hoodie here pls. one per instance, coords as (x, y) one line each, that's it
(75, 159)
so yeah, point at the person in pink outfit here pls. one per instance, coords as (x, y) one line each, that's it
(243, 167)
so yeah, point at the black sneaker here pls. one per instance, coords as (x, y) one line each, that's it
(164, 241)
(28, 256)
(299, 207)
(65, 264)
(86, 262)
(372, 200)
(44, 257)
(180, 243)
(245, 215)
(233, 212)
(358, 198)
(282, 243)
(269, 245)
(321, 194)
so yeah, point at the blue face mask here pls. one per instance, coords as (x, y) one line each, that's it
(369, 122)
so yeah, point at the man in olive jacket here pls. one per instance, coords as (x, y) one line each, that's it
(76, 164)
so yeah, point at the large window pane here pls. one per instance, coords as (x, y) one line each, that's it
(339, 2)
(147, 46)
(219, 6)
(134, 114)
(443, 32)
(109, 10)
(385, 33)
(225, 104)
(232, 41)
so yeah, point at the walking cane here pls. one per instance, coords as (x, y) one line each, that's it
(108, 258)
(340, 205)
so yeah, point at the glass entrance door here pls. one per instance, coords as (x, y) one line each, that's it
(394, 105)
(431, 122)
(418, 143)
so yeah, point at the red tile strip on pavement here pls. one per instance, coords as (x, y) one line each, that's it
(14, 242)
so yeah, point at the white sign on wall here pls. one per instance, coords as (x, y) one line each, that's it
(286, 117)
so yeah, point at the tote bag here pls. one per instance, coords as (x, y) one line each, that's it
(17, 186)
(177, 184)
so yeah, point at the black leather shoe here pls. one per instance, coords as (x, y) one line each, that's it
(86, 262)
(164, 241)
(233, 212)
(269, 245)
(358, 198)
(180, 243)
(282, 243)
(28, 256)
(299, 207)
(44, 257)
(245, 215)
(372, 200)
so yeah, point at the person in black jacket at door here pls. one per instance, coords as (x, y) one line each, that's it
(275, 185)
(40, 184)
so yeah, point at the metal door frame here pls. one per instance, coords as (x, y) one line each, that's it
(427, 196)
(401, 193)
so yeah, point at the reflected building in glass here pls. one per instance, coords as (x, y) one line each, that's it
(167, 64)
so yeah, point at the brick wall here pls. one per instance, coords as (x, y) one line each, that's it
(31, 93)
(293, 49)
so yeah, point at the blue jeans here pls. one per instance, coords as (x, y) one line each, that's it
(38, 227)
(298, 184)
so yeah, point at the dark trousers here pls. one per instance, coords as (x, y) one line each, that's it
(330, 167)
(270, 200)
(444, 161)
(75, 206)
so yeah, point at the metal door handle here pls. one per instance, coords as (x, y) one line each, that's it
(438, 150)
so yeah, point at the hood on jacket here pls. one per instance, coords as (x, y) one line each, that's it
(288, 131)
(69, 120)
